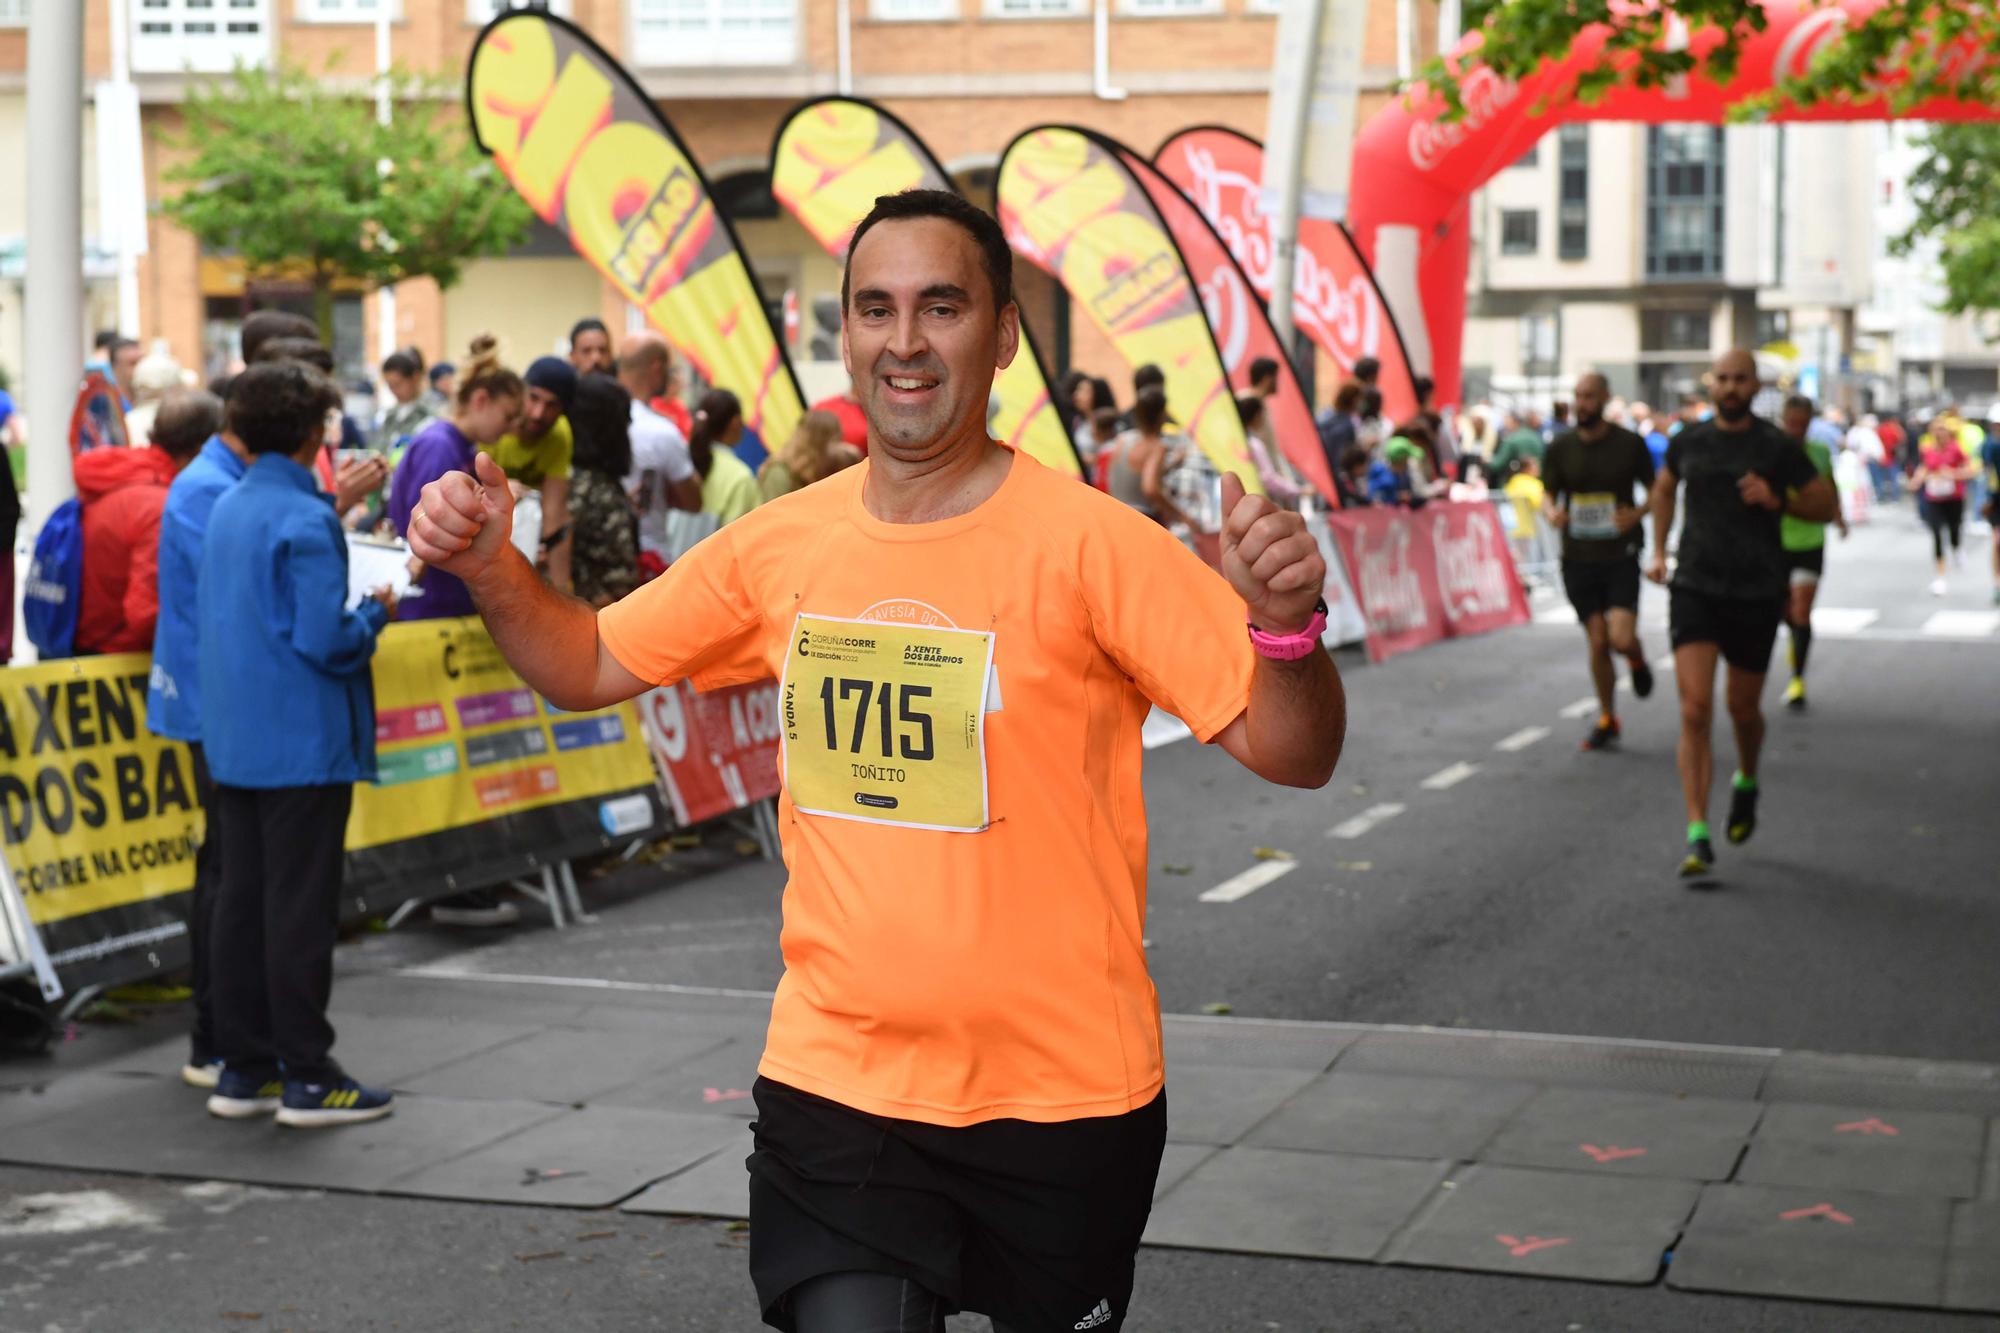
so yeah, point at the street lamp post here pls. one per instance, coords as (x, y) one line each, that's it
(54, 305)
(385, 295)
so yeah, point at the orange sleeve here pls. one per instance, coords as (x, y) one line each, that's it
(695, 622)
(1172, 624)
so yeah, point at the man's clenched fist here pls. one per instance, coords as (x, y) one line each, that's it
(461, 525)
(1270, 559)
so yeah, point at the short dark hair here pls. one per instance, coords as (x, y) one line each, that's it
(1366, 369)
(440, 370)
(588, 324)
(1347, 398)
(261, 326)
(1371, 402)
(309, 350)
(105, 338)
(1148, 376)
(601, 419)
(404, 361)
(1263, 368)
(1249, 407)
(185, 420)
(1149, 412)
(995, 256)
(276, 406)
(1801, 402)
(1424, 386)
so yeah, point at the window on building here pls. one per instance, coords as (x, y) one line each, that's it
(1541, 339)
(1518, 231)
(485, 11)
(1773, 326)
(715, 32)
(913, 9)
(344, 11)
(199, 36)
(1033, 8)
(13, 13)
(1670, 330)
(1684, 219)
(1149, 7)
(1573, 192)
(1532, 157)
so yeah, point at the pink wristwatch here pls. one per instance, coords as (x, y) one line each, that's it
(1291, 647)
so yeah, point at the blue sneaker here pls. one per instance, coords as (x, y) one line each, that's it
(244, 1094)
(338, 1101)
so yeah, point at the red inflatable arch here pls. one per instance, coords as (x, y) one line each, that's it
(1414, 174)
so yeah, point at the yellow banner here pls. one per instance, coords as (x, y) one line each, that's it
(97, 811)
(830, 161)
(1071, 208)
(593, 156)
(460, 739)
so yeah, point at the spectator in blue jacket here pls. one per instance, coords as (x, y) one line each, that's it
(288, 726)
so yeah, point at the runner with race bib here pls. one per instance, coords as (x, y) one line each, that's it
(1595, 479)
(961, 1100)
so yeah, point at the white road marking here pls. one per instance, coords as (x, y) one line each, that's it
(1837, 621)
(1556, 615)
(1962, 624)
(1522, 739)
(1581, 708)
(1367, 819)
(1163, 728)
(1251, 880)
(1447, 778)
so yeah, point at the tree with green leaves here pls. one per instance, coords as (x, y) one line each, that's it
(1904, 53)
(1907, 52)
(1954, 191)
(291, 171)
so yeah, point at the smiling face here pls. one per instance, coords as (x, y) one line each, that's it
(921, 338)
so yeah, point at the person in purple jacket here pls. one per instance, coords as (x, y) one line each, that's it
(485, 407)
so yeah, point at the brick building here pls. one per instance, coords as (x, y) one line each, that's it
(966, 74)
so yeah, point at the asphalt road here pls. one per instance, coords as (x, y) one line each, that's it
(1528, 888)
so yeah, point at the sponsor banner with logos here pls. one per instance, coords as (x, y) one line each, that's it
(1344, 622)
(1422, 575)
(1072, 207)
(594, 157)
(1242, 329)
(1335, 300)
(480, 780)
(718, 751)
(829, 161)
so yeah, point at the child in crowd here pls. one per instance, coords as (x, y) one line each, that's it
(287, 724)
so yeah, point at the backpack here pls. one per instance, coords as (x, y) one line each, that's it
(55, 583)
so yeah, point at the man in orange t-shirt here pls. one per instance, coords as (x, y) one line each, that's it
(960, 1103)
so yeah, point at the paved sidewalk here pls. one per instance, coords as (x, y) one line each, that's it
(1868, 1180)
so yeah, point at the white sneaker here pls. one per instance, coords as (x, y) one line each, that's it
(1937, 587)
(202, 1076)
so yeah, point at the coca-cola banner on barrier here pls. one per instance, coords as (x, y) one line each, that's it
(1344, 623)
(1420, 576)
(1335, 300)
(1476, 577)
(718, 751)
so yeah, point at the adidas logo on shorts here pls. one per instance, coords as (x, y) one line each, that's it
(1096, 1318)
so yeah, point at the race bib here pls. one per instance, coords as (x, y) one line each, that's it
(1941, 488)
(886, 723)
(1593, 517)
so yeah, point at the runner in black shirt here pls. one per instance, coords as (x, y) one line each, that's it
(1592, 474)
(1729, 586)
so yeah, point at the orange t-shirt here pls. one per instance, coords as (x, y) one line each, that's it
(987, 964)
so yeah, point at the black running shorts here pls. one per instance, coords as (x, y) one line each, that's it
(1744, 629)
(1598, 586)
(1035, 1225)
(1806, 566)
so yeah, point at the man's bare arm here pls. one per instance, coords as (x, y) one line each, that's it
(462, 526)
(1296, 724)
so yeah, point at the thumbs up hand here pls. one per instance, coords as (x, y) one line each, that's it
(1270, 559)
(461, 524)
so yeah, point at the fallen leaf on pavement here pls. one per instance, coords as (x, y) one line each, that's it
(1177, 869)
(597, 1235)
(1219, 1007)
(1272, 854)
(545, 1254)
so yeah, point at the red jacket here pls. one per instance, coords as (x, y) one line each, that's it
(122, 492)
